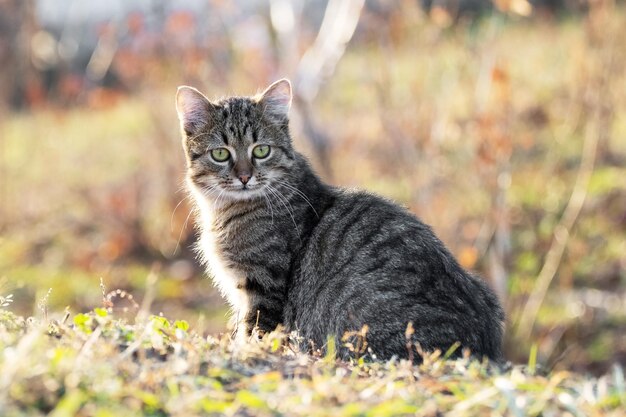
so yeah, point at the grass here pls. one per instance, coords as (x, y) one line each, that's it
(97, 364)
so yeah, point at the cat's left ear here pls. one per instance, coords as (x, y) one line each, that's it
(276, 100)
(194, 110)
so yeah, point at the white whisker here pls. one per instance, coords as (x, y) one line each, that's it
(191, 210)
(174, 212)
(197, 136)
(269, 204)
(283, 200)
(299, 193)
(182, 229)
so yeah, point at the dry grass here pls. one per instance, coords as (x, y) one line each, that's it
(96, 364)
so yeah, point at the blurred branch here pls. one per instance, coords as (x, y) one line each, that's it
(102, 56)
(495, 109)
(596, 130)
(407, 150)
(17, 82)
(500, 248)
(562, 230)
(319, 61)
(285, 16)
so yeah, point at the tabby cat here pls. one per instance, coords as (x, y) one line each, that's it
(285, 248)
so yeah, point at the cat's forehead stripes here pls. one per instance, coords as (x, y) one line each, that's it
(236, 114)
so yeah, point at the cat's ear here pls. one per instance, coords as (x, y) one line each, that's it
(276, 100)
(194, 110)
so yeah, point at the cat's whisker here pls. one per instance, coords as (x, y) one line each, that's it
(216, 202)
(283, 200)
(174, 212)
(207, 190)
(198, 135)
(269, 204)
(182, 229)
(280, 199)
(210, 190)
(299, 193)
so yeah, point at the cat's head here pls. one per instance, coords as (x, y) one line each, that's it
(238, 146)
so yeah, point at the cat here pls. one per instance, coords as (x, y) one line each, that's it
(286, 249)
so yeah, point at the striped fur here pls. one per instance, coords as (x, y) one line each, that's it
(318, 259)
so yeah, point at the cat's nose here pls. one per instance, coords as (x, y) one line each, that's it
(244, 178)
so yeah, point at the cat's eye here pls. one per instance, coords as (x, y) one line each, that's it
(220, 154)
(261, 151)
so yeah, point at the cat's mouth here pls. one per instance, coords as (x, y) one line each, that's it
(244, 191)
(231, 190)
(245, 187)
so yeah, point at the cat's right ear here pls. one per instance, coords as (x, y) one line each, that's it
(194, 110)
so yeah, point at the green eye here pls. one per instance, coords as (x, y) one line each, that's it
(261, 151)
(220, 154)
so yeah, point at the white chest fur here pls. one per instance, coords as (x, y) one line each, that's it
(227, 279)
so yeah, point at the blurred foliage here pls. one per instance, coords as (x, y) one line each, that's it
(478, 127)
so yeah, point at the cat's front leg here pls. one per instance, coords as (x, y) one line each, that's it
(261, 315)
(265, 312)
(240, 331)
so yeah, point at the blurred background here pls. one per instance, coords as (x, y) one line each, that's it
(502, 124)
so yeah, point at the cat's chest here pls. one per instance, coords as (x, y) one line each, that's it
(229, 279)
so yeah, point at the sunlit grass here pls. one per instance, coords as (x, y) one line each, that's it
(98, 364)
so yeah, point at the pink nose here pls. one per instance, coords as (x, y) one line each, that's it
(244, 178)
